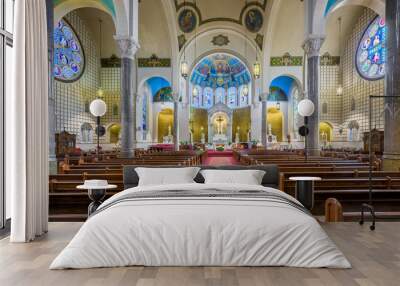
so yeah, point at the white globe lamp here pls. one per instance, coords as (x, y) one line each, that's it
(306, 108)
(98, 108)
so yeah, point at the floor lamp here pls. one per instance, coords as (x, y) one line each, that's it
(305, 108)
(98, 108)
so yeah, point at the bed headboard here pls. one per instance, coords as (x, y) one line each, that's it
(270, 179)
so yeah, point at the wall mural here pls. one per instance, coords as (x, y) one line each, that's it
(69, 58)
(371, 51)
(187, 20)
(254, 20)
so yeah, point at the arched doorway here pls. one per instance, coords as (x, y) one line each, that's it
(165, 125)
(275, 123)
(114, 131)
(325, 132)
(285, 94)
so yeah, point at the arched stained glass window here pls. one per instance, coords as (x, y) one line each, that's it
(244, 98)
(232, 97)
(220, 95)
(144, 113)
(69, 59)
(197, 98)
(371, 51)
(207, 97)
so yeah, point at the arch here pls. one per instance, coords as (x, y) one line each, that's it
(159, 87)
(275, 122)
(113, 131)
(63, 7)
(220, 71)
(323, 9)
(378, 6)
(165, 122)
(325, 132)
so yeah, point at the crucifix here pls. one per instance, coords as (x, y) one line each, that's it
(220, 120)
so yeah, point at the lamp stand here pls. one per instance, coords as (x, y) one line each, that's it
(305, 138)
(98, 138)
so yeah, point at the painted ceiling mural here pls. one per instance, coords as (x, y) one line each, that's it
(108, 4)
(69, 58)
(371, 51)
(220, 70)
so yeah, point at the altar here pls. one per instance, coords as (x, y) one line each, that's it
(220, 125)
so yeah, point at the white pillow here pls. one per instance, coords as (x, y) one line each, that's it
(166, 176)
(248, 177)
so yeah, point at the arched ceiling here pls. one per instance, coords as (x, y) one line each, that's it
(107, 4)
(220, 70)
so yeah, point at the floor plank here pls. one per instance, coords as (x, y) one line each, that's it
(375, 257)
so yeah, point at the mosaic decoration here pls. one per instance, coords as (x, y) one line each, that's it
(371, 51)
(286, 60)
(254, 20)
(111, 62)
(223, 76)
(277, 94)
(328, 60)
(164, 95)
(220, 70)
(154, 62)
(187, 20)
(69, 58)
(220, 40)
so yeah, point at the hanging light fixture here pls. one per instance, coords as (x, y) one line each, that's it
(184, 65)
(339, 89)
(100, 91)
(257, 66)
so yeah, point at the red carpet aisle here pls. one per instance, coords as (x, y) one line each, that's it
(215, 158)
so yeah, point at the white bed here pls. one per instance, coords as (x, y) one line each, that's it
(201, 231)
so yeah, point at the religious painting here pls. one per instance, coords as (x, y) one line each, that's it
(371, 51)
(69, 59)
(187, 20)
(254, 20)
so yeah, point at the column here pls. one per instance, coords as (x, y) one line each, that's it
(51, 98)
(391, 154)
(312, 47)
(264, 98)
(127, 47)
(176, 121)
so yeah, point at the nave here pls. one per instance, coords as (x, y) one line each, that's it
(199, 142)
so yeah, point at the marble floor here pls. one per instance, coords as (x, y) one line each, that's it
(375, 257)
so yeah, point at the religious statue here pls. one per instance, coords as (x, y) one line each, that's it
(169, 130)
(203, 136)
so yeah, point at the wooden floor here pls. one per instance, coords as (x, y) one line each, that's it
(375, 257)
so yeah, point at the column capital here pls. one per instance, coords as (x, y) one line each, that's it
(312, 45)
(127, 46)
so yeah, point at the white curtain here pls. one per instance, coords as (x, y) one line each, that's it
(27, 124)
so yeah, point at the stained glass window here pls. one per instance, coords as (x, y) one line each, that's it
(144, 113)
(208, 97)
(371, 51)
(69, 59)
(196, 98)
(220, 95)
(232, 97)
(244, 98)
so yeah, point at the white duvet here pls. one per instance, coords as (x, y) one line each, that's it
(202, 232)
